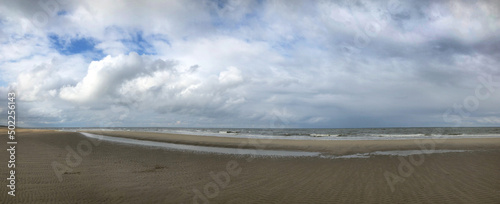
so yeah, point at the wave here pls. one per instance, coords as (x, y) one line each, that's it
(398, 135)
(320, 135)
(228, 132)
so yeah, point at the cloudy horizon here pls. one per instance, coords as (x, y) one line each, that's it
(328, 64)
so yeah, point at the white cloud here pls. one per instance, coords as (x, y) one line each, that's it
(43, 80)
(144, 83)
(232, 76)
(112, 48)
(103, 77)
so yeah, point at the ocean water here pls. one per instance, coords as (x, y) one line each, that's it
(322, 134)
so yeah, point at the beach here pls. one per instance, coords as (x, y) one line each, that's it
(67, 167)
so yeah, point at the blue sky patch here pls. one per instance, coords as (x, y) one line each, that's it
(70, 46)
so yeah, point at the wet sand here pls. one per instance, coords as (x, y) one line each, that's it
(117, 173)
(334, 147)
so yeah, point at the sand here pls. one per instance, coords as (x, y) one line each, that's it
(117, 173)
(334, 147)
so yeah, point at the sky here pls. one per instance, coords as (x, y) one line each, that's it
(254, 64)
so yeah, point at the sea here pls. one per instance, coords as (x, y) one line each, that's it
(319, 133)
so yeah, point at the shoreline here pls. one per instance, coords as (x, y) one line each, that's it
(100, 171)
(333, 147)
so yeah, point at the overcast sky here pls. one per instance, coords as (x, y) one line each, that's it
(251, 63)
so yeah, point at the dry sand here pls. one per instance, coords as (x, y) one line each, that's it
(117, 173)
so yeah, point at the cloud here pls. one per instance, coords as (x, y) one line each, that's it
(231, 77)
(233, 63)
(38, 84)
(140, 82)
(103, 77)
